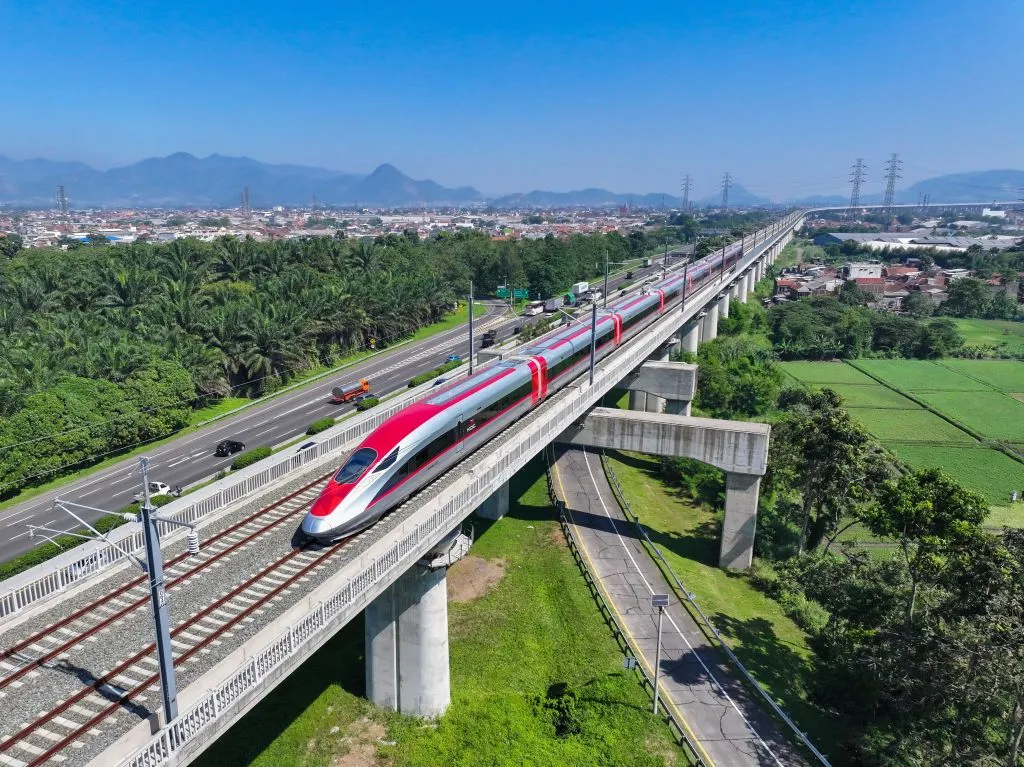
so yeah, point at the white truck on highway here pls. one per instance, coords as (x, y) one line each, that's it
(579, 288)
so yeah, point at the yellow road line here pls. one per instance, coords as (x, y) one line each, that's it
(625, 628)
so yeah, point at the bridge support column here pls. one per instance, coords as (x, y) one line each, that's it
(691, 337)
(734, 290)
(710, 330)
(738, 448)
(638, 401)
(740, 523)
(741, 289)
(496, 505)
(407, 645)
(723, 304)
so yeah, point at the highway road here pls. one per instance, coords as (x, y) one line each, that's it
(721, 714)
(190, 458)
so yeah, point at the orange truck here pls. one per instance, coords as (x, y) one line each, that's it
(350, 392)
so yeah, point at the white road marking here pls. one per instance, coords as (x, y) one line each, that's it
(615, 527)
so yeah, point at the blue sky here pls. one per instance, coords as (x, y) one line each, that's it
(517, 96)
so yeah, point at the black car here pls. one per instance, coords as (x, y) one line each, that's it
(229, 446)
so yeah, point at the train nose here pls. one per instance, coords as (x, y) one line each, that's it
(316, 527)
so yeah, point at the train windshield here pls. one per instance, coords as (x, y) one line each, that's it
(355, 466)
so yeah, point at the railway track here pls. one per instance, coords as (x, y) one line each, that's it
(70, 722)
(51, 643)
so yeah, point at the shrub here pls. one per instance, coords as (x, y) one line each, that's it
(251, 457)
(422, 378)
(60, 544)
(366, 403)
(319, 425)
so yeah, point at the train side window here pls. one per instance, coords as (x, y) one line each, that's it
(388, 462)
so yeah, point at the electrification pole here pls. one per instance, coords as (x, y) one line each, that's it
(158, 597)
(606, 279)
(471, 327)
(593, 340)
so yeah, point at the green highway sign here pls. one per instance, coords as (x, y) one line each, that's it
(502, 291)
(521, 293)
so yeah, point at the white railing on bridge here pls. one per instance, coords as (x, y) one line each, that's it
(421, 523)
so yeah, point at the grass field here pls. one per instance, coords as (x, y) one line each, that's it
(767, 642)
(982, 469)
(968, 391)
(871, 396)
(1004, 335)
(920, 375)
(536, 629)
(910, 426)
(1005, 375)
(990, 413)
(826, 373)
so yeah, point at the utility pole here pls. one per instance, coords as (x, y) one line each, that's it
(659, 601)
(726, 186)
(471, 327)
(687, 185)
(856, 179)
(245, 204)
(892, 172)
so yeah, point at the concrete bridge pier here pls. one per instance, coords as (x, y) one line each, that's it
(741, 289)
(496, 505)
(709, 331)
(723, 304)
(670, 386)
(691, 336)
(740, 449)
(407, 645)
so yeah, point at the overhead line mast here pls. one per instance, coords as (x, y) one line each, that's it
(726, 186)
(687, 185)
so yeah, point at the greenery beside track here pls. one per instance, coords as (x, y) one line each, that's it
(536, 676)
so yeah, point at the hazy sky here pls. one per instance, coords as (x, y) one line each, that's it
(518, 96)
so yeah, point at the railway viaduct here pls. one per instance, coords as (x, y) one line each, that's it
(391, 571)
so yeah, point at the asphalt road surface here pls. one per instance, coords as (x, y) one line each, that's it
(730, 727)
(190, 458)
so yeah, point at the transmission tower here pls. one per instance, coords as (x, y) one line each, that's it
(62, 201)
(687, 185)
(726, 186)
(856, 179)
(892, 172)
(246, 210)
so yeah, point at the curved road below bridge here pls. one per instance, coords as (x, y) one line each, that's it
(723, 717)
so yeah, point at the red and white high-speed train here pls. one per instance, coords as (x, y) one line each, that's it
(425, 439)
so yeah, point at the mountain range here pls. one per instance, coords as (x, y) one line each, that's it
(183, 180)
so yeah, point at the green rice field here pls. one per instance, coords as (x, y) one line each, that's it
(990, 413)
(826, 373)
(982, 469)
(874, 396)
(1005, 375)
(910, 426)
(1004, 335)
(919, 375)
(976, 394)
